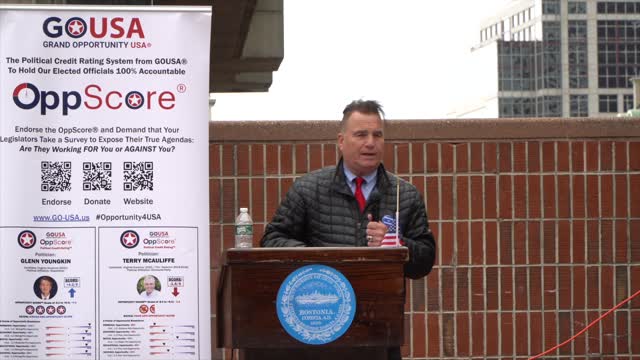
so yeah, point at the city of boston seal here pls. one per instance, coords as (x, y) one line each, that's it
(316, 304)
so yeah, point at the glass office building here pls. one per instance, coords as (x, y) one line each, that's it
(557, 58)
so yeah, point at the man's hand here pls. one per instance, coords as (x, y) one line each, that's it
(375, 232)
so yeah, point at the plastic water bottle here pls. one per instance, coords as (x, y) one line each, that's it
(244, 229)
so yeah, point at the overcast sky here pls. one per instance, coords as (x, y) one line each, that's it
(411, 55)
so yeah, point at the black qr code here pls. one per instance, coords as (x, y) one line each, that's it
(138, 176)
(56, 176)
(96, 176)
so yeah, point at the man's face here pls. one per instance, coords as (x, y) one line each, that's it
(149, 285)
(362, 143)
(45, 287)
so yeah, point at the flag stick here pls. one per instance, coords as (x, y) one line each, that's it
(397, 209)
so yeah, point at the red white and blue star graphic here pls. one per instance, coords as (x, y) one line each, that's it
(129, 239)
(27, 239)
(135, 100)
(76, 27)
(30, 309)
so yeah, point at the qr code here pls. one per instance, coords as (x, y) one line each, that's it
(56, 176)
(96, 176)
(138, 176)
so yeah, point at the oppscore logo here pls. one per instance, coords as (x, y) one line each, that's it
(93, 97)
(77, 27)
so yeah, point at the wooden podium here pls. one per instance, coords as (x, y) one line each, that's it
(246, 313)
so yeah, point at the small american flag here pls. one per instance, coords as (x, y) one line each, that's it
(390, 239)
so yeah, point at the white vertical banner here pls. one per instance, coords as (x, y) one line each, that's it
(104, 202)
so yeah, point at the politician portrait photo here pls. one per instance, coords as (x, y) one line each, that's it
(148, 287)
(45, 287)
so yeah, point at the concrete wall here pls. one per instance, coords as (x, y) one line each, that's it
(537, 223)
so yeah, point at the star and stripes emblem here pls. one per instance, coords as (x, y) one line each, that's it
(129, 239)
(27, 239)
(135, 100)
(76, 27)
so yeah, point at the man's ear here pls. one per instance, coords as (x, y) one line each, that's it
(340, 140)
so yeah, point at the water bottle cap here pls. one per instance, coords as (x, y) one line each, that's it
(244, 209)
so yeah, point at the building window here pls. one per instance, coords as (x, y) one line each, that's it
(549, 106)
(579, 105)
(608, 103)
(526, 107)
(550, 7)
(577, 7)
(515, 65)
(618, 7)
(627, 102)
(549, 58)
(578, 66)
(618, 52)
(630, 7)
(505, 108)
(516, 107)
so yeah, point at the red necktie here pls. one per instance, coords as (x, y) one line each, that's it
(359, 195)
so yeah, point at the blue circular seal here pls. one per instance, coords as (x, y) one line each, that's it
(316, 304)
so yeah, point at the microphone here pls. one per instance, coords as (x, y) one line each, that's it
(375, 212)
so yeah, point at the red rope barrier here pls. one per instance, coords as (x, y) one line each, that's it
(586, 328)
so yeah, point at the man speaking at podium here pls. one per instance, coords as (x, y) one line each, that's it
(344, 205)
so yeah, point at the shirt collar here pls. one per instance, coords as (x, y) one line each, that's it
(350, 176)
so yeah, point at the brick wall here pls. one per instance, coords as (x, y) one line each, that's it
(537, 224)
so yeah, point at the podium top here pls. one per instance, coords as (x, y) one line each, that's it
(315, 255)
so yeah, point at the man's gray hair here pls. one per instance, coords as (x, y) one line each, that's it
(367, 107)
